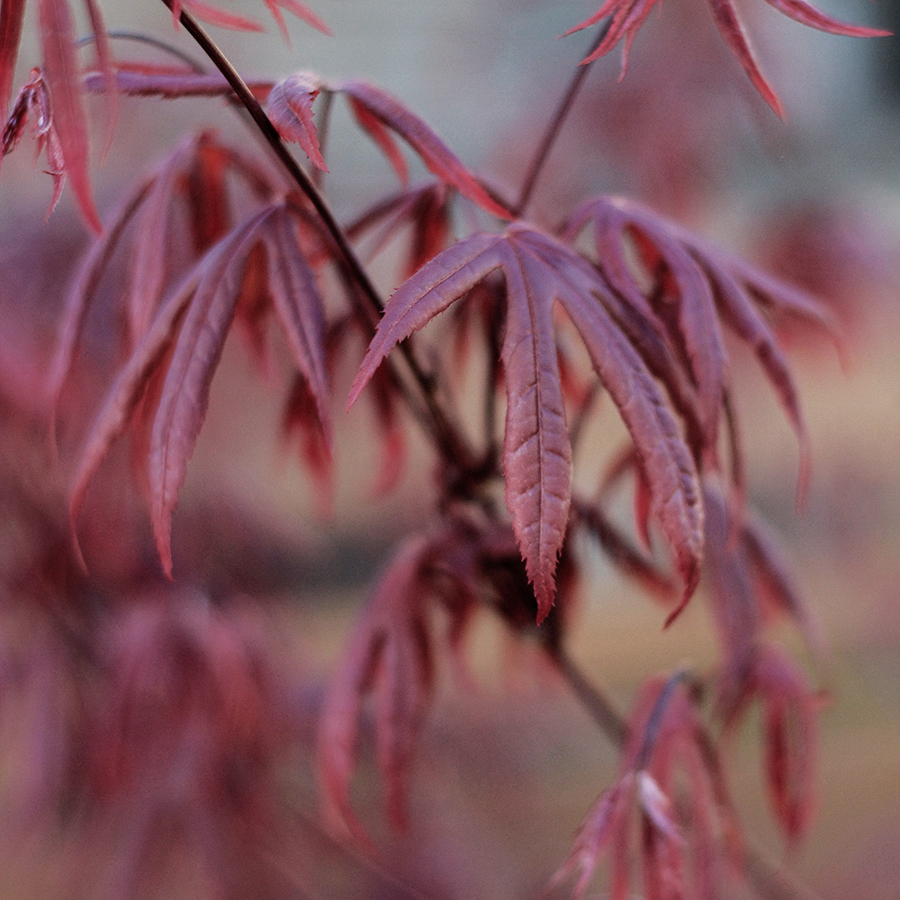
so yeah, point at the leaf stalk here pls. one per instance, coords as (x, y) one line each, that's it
(554, 126)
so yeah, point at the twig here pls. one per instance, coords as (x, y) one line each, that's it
(150, 41)
(612, 723)
(447, 438)
(555, 124)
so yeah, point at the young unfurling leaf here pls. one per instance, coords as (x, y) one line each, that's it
(536, 452)
(290, 109)
(33, 102)
(683, 834)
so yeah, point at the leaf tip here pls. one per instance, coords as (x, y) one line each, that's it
(691, 580)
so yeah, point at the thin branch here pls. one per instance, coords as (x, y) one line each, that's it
(553, 128)
(611, 722)
(448, 439)
(150, 41)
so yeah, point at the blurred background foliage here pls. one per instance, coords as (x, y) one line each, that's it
(509, 763)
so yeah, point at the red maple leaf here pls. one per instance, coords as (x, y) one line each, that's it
(750, 584)
(222, 19)
(190, 182)
(290, 108)
(695, 287)
(33, 102)
(379, 114)
(63, 78)
(183, 346)
(390, 652)
(457, 565)
(536, 453)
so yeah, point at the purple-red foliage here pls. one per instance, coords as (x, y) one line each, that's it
(177, 717)
(627, 16)
(669, 803)
(460, 565)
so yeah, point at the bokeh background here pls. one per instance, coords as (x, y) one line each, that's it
(510, 763)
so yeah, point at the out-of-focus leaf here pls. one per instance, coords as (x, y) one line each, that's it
(62, 75)
(300, 10)
(12, 15)
(627, 17)
(389, 652)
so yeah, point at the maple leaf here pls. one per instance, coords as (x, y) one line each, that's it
(34, 101)
(461, 562)
(536, 452)
(665, 734)
(789, 711)
(188, 721)
(290, 109)
(12, 17)
(384, 398)
(693, 285)
(137, 79)
(62, 126)
(390, 650)
(622, 553)
(627, 17)
(62, 76)
(378, 113)
(183, 345)
(424, 210)
(213, 15)
(193, 172)
(750, 585)
(300, 10)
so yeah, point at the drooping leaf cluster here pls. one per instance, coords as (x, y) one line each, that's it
(671, 782)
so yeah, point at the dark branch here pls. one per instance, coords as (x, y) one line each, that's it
(553, 128)
(453, 447)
